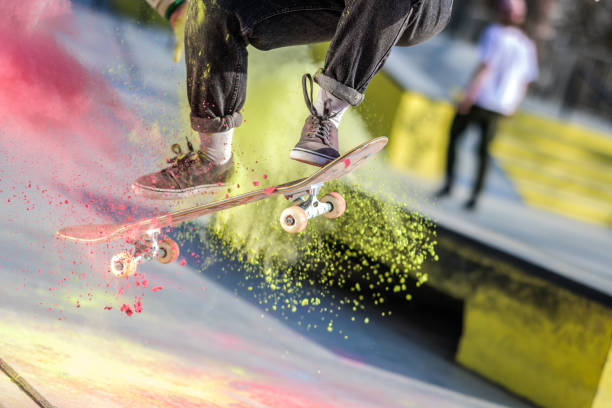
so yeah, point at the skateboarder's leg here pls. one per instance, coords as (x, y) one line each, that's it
(365, 35)
(362, 33)
(216, 59)
(216, 36)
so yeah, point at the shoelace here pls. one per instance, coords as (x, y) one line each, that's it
(181, 160)
(321, 123)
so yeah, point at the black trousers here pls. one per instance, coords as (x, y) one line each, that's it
(486, 121)
(362, 33)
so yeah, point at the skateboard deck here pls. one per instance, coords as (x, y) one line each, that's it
(143, 233)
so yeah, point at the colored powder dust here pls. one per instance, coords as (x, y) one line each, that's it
(285, 272)
(127, 310)
(52, 101)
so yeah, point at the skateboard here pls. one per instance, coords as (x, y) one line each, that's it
(148, 243)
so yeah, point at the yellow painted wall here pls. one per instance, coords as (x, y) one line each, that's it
(603, 398)
(381, 105)
(531, 336)
(551, 353)
(558, 166)
(419, 139)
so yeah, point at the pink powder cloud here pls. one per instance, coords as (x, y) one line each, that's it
(51, 104)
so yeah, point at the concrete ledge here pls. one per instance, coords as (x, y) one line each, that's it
(542, 337)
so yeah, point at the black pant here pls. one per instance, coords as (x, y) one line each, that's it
(486, 121)
(362, 33)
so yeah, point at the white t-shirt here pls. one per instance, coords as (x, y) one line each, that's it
(512, 61)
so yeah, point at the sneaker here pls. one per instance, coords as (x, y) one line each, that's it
(470, 205)
(187, 174)
(443, 192)
(319, 142)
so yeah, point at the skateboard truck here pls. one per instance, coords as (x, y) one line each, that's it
(146, 248)
(295, 218)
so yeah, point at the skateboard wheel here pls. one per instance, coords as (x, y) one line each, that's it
(123, 264)
(337, 202)
(168, 251)
(294, 219)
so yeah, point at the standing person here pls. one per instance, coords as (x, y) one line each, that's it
(217, 32)
(508, 63)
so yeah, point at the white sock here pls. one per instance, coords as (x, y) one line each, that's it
(217, 147)
(337, 105)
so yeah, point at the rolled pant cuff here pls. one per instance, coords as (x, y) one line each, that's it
(338, 89)
(216, 125)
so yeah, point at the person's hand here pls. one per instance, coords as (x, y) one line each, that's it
(464, 106)
(177, 21)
